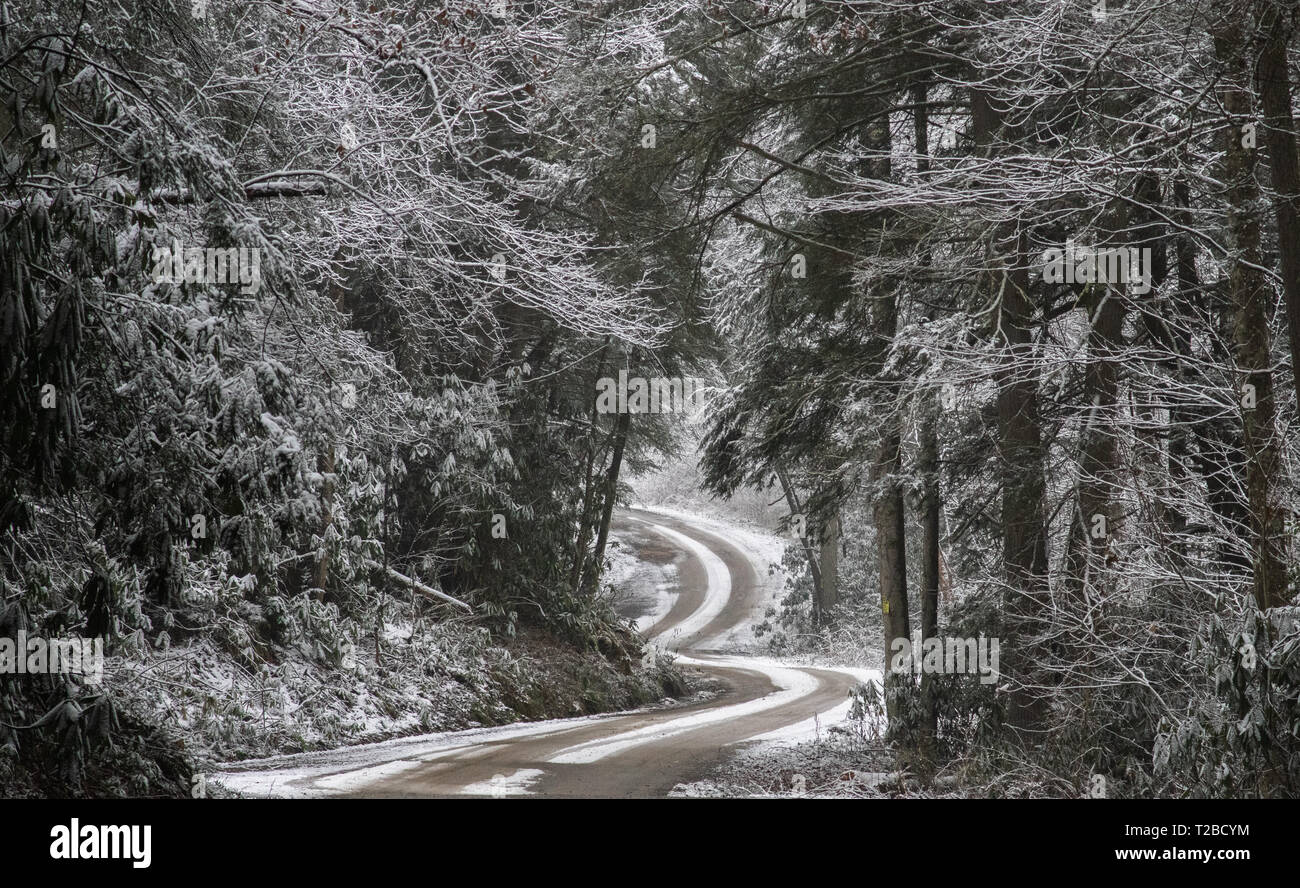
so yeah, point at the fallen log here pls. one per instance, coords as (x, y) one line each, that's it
(415, 584)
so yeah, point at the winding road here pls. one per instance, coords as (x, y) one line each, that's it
(643, 753)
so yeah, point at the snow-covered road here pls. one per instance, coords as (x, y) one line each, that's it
(639, 753)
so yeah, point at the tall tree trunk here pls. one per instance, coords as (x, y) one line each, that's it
(1094, 521)
(1020, 453)
(891, 539)
(588, 485)
(1218, 461)
(1152, 234)
(829, 561)
(928, 468)
(1250, 297)
(611, 489)
(1275, 19)
(584, 529)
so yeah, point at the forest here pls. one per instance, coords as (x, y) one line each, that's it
(325, 328)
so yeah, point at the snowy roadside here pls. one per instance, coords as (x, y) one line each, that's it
(338, 771)
(839, 765)
(645, 593)
(433, 679)
(645, 589)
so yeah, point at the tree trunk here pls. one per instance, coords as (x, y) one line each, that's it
(1020, 454)
(1094, 521)
(1173, 475)
(1274, 84)
(891, 539)
(1218, 461)
(1250, 296)
(814, 568)
(611, 489)
(829, 560)
(588, 486)
(927, 468)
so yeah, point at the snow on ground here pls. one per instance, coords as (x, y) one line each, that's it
(335, 771)
(764, 550)
(501, 785)
(814, 728)
(792, 684)
(645, 589)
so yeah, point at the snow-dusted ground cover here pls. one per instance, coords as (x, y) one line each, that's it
(840, 764)
(224, 708)
(791, 685)
(430, 676)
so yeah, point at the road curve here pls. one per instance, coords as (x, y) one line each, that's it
(643, 753)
